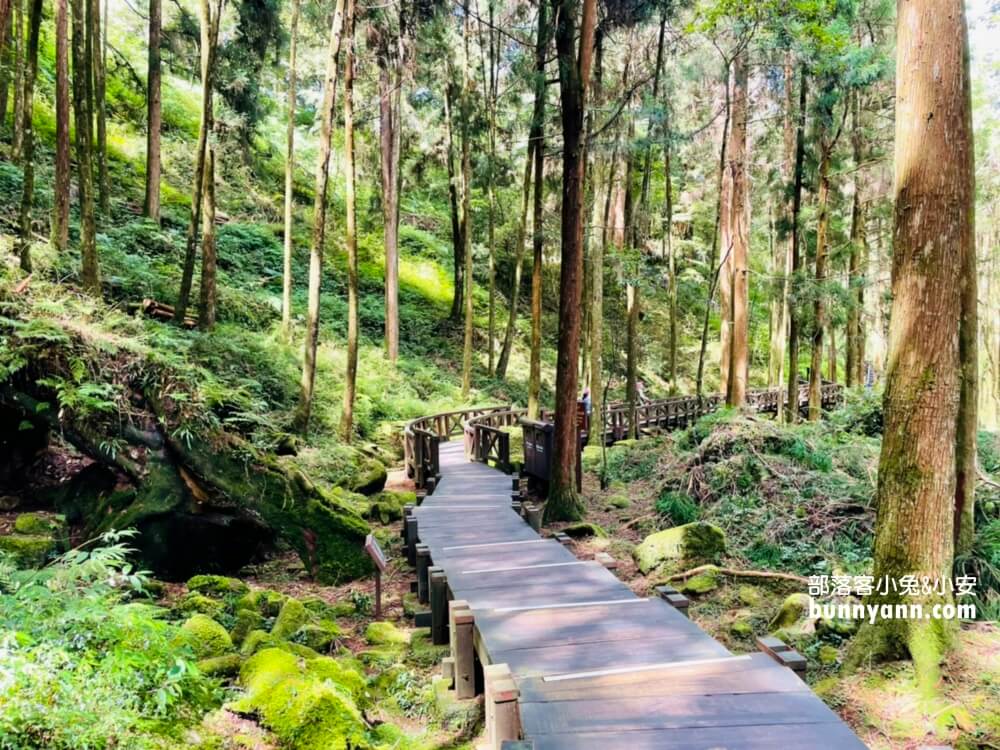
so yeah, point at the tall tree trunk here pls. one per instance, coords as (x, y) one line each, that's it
(60, 198)
(668, 251)
(100, 108)
(782, 255)
(491, 107)
(351, 235)
(819, 306)
(467, 201)
(796, 255)
(831, 362)
(603, 175)
(289, 242)
(389, 123)
(574, 78)
(6, 56)
(536, 138)
(739, 345)
(515, 290)
(28, 135)
(318, 245)
(18, 82)
(457, 227)
(90, 274)
(207, 294)
(154, 115)
(209, 33)
(713, 257)
(855, 334)
(629, 233)
(934, 236)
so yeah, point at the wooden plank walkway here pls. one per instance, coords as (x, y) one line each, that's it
(588, 663)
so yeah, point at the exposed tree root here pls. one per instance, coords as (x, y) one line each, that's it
(736, 573)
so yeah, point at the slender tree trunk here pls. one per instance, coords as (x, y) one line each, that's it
(491, 189)
(457, 227)
(60, 198)
(714, 273)
(819, 306)
(18, 82)
(351, 238)
(574, 78)
(154, 115)
(207, 294)
(209, 33)
(467, 89)
(602, 173)
(934, 236)
(389, 123)
(100, 108)
(28, 135)
(90, 274)
(289, 240)
(318, 245)
(739, 345)
(668, 250)
(536, 138)
(796, 255)
(855, 336)
(508, 338)
(6, 56)
(831, 363)
(782, 255)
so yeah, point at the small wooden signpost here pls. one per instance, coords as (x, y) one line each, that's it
(378, 557)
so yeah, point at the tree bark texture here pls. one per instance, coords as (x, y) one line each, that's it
(289, 240)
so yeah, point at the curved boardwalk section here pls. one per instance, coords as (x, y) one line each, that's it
(568, 657)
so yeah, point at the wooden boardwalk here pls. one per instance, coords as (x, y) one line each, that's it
(569, 658)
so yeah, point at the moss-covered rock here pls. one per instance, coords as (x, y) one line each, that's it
(206, 637)
(793, 616)
(293, 616)
(619, 502)
(370, 477)
(29, 550)
(828, 655)
(219, 586)
(341, 674)
(246, 621)
(304, 711)
(422, 652)
(193, 602)
(387, 507)
(256, 640)
(264, 601)
(741, 629)
(318, 636)
(693, 543)
(701, 583)
(583, 530)
(226, 665)
(37, 524)
(749, 595)
(385, 634)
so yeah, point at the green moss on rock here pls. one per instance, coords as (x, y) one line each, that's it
(194, 602)
(264, 601)
(220, 586)
(370, 477)
(293, 616)
(318, 635)
(28, 550)
(385, 634)
(693, 542)
(341, 674)
(793, 615)
(256, 640)
(583, 530)
(226, 665)
(206, 637)
(36, 524)
(701, 583)
(246, 621)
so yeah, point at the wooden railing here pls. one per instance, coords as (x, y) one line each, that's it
(486, 440)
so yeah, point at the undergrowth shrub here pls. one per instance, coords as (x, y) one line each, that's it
(983, 563)
(676, 506)
(82, 666)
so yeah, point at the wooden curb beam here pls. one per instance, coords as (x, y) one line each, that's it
(784, 654)
(674, 598)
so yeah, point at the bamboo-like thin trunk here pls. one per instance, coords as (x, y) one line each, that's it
(60, 198)
(351, 235)
(207, 292)
(467, 88)
(90, 274)
(515, 290)
(28, 135)
(154, 113)
(819, 305)
(796, 259)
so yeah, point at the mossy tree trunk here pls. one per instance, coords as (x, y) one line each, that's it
(854, 375)
(390, 122)
(515, 290)
(318, 246)
(206, 290)
(351, 235)
(795, 261)
(536, 137)
(97, 50)
(739, 224)
(574, 79)
(934, 235)
(457, 224)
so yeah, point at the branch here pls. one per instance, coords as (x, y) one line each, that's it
(740, 574)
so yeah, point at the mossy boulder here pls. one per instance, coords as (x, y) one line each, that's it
(226, 665)
(422, 652)
(206, 637)
(293, 615)
(792, 617)
(256, 640)
(619, 501)
(218, 586)
(318, 636)
(247, 620)
(305, 711)
(583, 530)
(37, 524)
(29, 550)
(828, 655)
(741, 629)
(749, 595)
(193, 602)
(341, 673)
(369, 479)
(383, 633)
(387, 507)
(701, 583)
(693, 543)
(264, 601)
